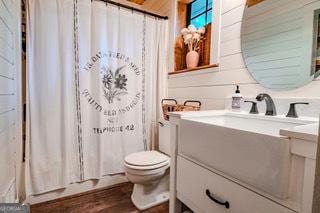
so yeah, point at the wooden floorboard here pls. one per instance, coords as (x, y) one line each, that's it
(111, 200)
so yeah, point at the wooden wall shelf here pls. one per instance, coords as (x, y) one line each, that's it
(193, 69)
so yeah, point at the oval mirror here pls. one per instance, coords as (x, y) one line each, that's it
(281, 43)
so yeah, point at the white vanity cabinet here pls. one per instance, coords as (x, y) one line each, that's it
(202, 188)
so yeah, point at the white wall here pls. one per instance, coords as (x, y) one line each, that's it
(10, 99)
(212, 86)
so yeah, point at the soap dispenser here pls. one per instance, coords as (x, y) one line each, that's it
(236, 99)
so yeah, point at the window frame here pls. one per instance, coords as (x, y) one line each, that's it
(215, 40)
(207, 10)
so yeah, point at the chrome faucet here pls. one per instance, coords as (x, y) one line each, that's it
(271, 108)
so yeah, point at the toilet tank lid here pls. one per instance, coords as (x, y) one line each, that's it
(146, 158)
(165, 122)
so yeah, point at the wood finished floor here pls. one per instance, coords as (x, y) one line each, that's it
(111, 200)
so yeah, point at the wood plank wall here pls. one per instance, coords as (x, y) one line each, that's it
(137, 1)
(9, 94)
(180, 49)
(162, 7)
(251, 3)
(213, 85)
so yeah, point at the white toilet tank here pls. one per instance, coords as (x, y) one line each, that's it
(164, 136)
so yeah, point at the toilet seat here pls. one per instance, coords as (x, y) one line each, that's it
(152, 167)
(146, 160)
(145, 172)
(146, 163)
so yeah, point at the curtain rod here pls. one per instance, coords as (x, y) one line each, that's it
(132, 8)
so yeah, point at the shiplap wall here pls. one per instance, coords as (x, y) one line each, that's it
(10, 104)
(212, 86)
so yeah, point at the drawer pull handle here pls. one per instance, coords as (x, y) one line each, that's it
(226, 204)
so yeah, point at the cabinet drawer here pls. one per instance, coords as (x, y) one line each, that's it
(193, 181)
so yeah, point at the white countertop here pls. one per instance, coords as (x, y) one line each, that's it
(308, 132)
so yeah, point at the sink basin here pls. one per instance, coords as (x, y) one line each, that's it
(261, 124)
(245, 147)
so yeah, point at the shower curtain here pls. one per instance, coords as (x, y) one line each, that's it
(96, 75)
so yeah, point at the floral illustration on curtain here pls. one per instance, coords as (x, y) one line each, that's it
(114, 83)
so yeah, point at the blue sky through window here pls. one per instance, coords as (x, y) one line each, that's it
(200, 12)
(199, 21)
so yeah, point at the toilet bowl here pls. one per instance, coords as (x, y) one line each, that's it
(149, 173)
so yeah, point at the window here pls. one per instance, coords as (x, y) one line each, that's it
(199, 13)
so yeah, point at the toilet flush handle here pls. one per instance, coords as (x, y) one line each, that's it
(161, 124)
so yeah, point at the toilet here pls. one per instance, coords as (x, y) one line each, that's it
(149, 172)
